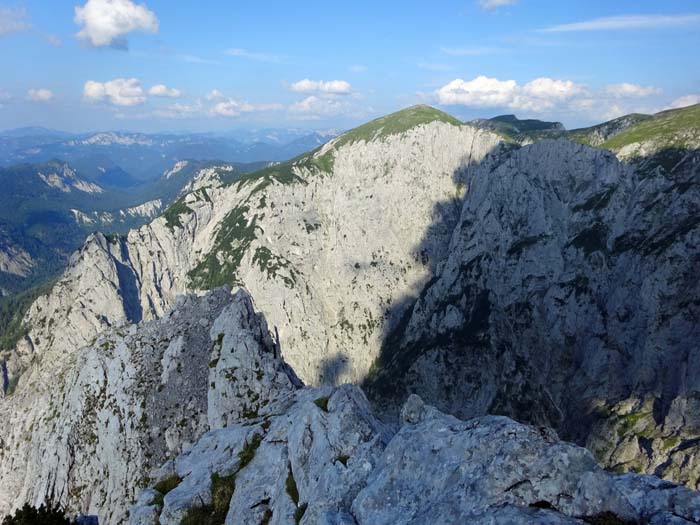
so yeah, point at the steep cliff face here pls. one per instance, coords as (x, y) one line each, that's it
(333, 239)
(554, 283)
(570, 299)
(319, 456)
(326, 244)
(111, 413)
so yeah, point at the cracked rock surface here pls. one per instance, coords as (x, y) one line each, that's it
(319, 456)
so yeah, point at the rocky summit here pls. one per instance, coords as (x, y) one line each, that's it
(421, 321)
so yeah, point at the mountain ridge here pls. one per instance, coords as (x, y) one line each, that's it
(364, 244)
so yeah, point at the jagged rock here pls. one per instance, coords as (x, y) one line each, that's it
(327, 460)
(309, 452)
(564, 294)
(328, 255)
(339, 246)
(569, 299)
(140, 395)
(246, 370)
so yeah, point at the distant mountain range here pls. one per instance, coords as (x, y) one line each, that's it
(60, 186)
(484, 270)
(124, 159)
(48, 209)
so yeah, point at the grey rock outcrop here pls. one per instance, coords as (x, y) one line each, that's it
(554, 283)
(569, 299)
(339, 246)
(138, 396)
(327, 460)
(327, 253)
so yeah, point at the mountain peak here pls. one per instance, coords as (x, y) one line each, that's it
(511, 126)
(396, 123)
(674, 128)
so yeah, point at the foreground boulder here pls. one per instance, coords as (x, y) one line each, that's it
(201, 408)
(319, 456)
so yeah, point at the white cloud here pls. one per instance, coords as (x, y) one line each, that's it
(358, 68)
(537, 95)
(334, 87)
(13, 20)
(106, 22)
(119, 92)
(315, 107)
(252, 55)
(626, 89)
(548, 96)
(687, 100)
(39, 95)
(232, 108)
(480, 92)
(616, 23)
(490, 5)
(547, 88)
(215, 94)
(161, 90)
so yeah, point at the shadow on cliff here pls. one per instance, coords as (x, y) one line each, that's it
(388, 382)
(468, 374)
(332, 368)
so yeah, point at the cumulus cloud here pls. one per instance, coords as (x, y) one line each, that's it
(617, 23)
(537, 95)
(550, 88)
(627, 89)
(106, 22)
(39, 95)
(316, 107)
(232, 108)
(687, 100)
(252, 55)
(480, 92)
(13, 20)
(548, 96)
(215, 94)
(161, 90)
(334, 87)
(119, 92)
(490, 5)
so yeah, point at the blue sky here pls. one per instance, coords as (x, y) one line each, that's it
(213, 65)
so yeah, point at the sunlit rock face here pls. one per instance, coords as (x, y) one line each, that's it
(553, 283)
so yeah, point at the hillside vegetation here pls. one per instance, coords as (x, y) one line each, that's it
(672, 128)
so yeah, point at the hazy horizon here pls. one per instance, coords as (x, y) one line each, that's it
(102, 65)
